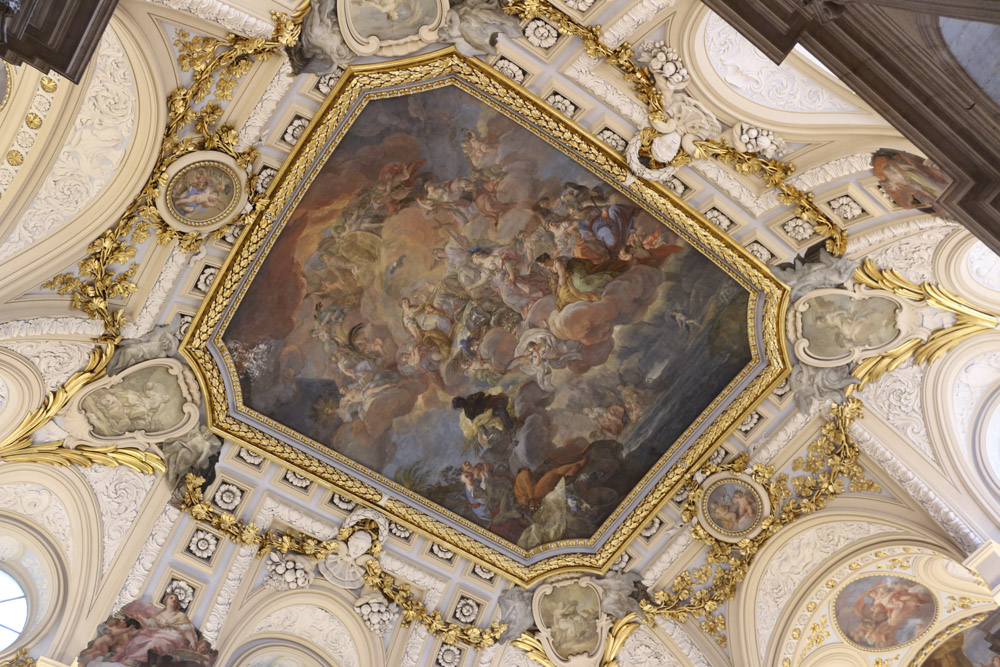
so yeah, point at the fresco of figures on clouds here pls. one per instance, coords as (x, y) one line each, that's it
(881, 613)
(465, 310)
(143, 634)
(972, 648)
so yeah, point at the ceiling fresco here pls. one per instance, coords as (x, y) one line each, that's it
(478, 322)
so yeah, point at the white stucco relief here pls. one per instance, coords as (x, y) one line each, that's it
(752, 74)
(318, 626)
(120, 494)
(147, 557)
(793, 562)
(896, 397)
(979, 375)
(938, 509)
(41, 506)
(984, 265)
(94, 150)
(55, 360)
(224, 14)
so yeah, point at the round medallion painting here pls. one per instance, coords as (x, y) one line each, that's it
(880, 613)
(732, 507)
(203, 192)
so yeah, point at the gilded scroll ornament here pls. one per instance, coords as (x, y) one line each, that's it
(20, 659)
(699, 593)
(969, 321)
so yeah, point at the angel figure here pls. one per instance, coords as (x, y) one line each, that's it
(539, 352)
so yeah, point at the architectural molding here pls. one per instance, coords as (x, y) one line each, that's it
(229, 17)
(148, 556)
(91, 154)
(319, 626)
(42, 506)
(967, 538)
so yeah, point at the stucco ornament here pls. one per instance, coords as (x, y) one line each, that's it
(574, 617)
(150, 403)
(685, 121)
(765, 143)
(288, 571)
(345, 566)
(158, 343)
(664, 63)
(377, 613)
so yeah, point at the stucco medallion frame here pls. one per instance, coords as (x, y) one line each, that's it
(756, 491)
(907, 324)
(373, 45)
(207, 158)
(227, 416)
(81, 431)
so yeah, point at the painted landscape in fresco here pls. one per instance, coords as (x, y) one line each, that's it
(465, 310)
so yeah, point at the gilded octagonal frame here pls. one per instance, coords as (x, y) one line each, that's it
(204, 348)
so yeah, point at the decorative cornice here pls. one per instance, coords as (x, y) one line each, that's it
(955, 526)
(224, 14)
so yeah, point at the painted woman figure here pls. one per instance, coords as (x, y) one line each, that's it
(163, 631)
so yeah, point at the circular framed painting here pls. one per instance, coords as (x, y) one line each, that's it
(203, 191)
(883, 612)
(732, 507)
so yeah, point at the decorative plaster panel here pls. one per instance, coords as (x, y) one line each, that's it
(92, 153)
(224, 14)
(643, 649)
(120, 494)
(793, 562)
(984, 265)
(41, 506)
(55, 360)
(752, 74)
(896, 397)
(253, 129)
(318, 626)
(975, 380)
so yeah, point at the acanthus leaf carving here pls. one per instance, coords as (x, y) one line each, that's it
(120, 494)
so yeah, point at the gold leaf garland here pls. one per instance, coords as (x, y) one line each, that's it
(643, 83)
(217, 65)
(969, 321)
(412, 610)
(20, 659)
(698, 593)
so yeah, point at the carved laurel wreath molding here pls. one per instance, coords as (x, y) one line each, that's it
(217, 65)
(697, 593)
(774, 172)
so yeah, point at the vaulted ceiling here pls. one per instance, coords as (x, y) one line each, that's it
(919, 516)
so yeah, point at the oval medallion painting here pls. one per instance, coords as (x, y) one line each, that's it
(204, 191)
(880, 613)
(732, 507)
